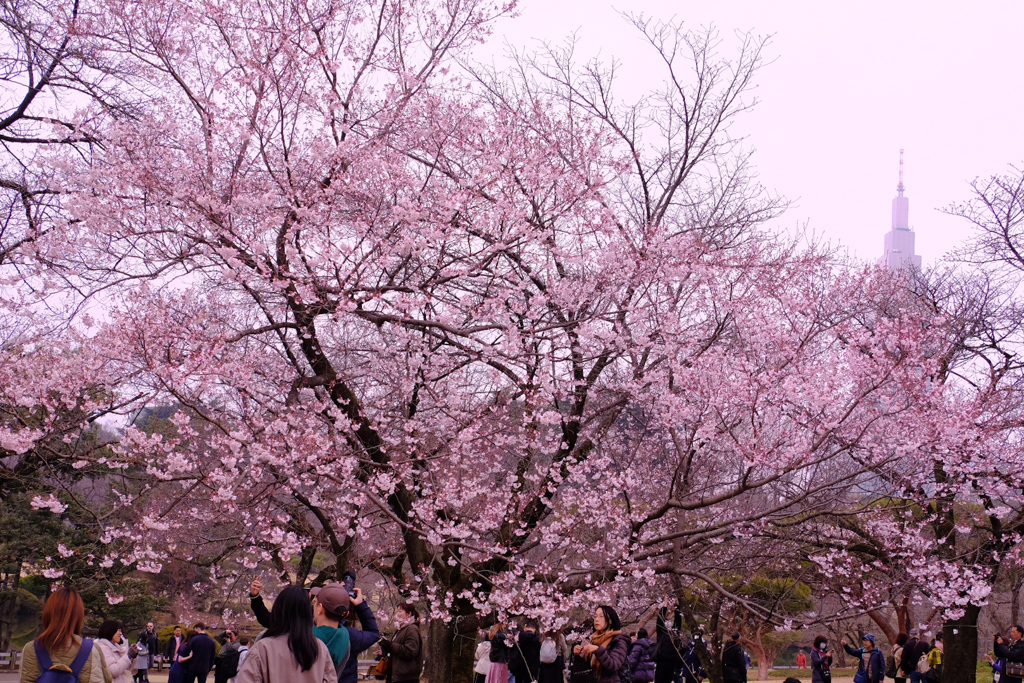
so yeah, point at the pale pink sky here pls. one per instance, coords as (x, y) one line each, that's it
(850, 85)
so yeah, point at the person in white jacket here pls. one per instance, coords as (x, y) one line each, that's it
(116, 652)
(483, 659)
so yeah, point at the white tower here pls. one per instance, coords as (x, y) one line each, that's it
(899, 242)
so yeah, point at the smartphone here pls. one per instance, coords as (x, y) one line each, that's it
(350, 584)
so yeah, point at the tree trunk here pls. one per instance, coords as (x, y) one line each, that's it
(960, 648)
(10, 576)
(451, 650)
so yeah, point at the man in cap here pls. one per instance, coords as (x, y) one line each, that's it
(330, 607)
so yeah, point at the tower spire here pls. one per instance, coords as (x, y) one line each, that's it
(899, 188)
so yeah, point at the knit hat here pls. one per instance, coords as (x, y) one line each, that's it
(870, 636)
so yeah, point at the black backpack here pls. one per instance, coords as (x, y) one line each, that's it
(227, 665)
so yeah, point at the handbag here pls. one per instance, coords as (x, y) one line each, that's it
(580, 670)
(861, 676)
(1014, 669)
(382, 667)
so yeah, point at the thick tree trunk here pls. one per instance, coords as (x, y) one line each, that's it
(960, 648)
(451, 648)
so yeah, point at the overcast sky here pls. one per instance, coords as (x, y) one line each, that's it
(848, 86)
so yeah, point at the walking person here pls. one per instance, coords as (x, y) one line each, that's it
(117, 654)
(201, 652)
(821, 661)
(871, 668)
(405, 647)
(734, 661)
(608, 647)
(61, 643)
(289, 652)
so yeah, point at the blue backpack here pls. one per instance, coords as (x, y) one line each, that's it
(58, 673)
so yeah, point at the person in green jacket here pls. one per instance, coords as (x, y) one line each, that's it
(330, 605)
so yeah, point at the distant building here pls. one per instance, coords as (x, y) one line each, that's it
(899, 242)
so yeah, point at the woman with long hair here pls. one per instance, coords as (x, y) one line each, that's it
(608, 648)
(552, 657)
(180, 666)
(61, 644)
(289, 652)
(501, 652)
(116, 653)
(406, 647)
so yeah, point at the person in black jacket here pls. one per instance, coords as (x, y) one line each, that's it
(1012, 651)
(524, 662)
(734, 661)
(668, 651)
(912, 653)
(203, 651)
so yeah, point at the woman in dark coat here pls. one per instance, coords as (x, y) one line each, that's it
(734, 661)
(501, 652)
(821, 661)
(608, 648)
(406, 647)
(640, 661)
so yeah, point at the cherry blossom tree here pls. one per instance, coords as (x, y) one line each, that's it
(503, 340)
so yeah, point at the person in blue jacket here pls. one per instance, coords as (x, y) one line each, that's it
(872, 662)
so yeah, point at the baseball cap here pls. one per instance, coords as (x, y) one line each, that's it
(333, 597)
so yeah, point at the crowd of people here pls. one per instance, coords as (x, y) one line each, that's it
(312, 637)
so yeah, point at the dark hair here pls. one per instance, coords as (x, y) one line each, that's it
(642, 633)
(109, 628)
(189, 635)
(902, 639)
(531, 623)
(736, 635)
(63, 614)
(411, 610)
(292, 617)
(199, 626)
(819, 641)
(243, 640)
(791, 680)
(611, 616)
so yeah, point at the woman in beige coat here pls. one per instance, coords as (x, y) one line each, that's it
(289, 652)
(61, 641)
